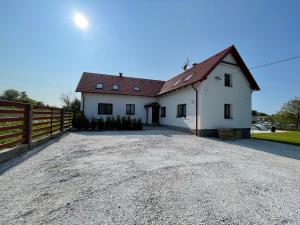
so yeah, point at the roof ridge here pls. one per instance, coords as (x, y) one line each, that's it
(123, 76)
(207, 59)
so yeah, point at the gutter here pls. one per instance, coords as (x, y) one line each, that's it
(82, 102)
(196, 92)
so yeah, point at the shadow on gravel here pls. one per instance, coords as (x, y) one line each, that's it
(280, 149)
(147, 131)
(22, 158)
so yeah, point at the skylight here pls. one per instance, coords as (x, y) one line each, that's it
(99, 85)
(115, 87)
(188, 77)
(177, 82)
(136, 88)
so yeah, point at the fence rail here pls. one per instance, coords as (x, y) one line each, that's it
(24, 123)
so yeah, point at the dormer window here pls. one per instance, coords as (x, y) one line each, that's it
(115, 87)
(136, 88)
(177, 82)
(188, 77)
(99, 85)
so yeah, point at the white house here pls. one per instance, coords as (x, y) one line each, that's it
(210, 95)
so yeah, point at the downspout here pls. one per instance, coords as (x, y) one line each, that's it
(147, 122)
(82, 103)
(196, 92)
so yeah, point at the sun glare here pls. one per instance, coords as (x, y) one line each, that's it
(81, 21)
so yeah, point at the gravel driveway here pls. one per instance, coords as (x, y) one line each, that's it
(153, 177)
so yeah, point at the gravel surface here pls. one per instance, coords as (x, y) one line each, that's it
(153, 177)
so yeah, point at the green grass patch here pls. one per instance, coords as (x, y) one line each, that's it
(290, 137)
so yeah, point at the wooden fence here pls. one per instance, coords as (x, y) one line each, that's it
(24, 123)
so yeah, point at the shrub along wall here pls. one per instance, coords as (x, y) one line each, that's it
(110, 123)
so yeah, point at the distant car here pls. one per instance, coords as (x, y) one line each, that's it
(258, 127)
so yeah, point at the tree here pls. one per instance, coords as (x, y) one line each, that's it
(16, 96)
(67, 99)
(292, 107)
(284, 118)
(256, 113)
(10, 95)
(75, 105)
(70, 101)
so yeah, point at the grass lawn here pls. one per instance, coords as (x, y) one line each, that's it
(290, 137)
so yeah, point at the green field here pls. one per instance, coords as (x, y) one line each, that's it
(290, 137)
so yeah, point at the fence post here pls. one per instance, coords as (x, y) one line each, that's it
(51, 130)
(28, 126)
(62, 119)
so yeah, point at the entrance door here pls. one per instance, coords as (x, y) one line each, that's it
(155, 114)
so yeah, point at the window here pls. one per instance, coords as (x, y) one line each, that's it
(188, 77)
(115, 87)
(130, 109)
(177, 82)
(163, 112)
(104, 108)
(228, 80)
(99, 85)
(181, 110)
(227, 111)
(136, 88)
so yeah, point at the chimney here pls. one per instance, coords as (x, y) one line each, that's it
(194, 64)
(121, 74)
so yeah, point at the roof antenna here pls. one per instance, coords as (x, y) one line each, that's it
(185, 65)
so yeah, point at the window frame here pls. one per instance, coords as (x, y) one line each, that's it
(163, 111)
(130, 111)
(99, 84)
(183, 113)
(106, 110)
(227, 111)
(115, 85)
(229, 81)
(136, 88)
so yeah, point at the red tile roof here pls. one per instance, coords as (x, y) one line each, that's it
(201, 70)
(147, 87)
(153, 88)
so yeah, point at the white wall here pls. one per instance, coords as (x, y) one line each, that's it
(149, 115)
(119, 105)
(213, 96)
(171, 100)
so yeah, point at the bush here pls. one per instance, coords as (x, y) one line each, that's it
(108, 123)
(139, 124)
(100, 124)
(118, 124)
(113, 123)
(134, 125)
(81, 122)
(93, 123)
(128, 123)
(86, 124)
(123, 123)
(75, 122)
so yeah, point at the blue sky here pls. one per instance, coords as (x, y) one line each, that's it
(43, 53)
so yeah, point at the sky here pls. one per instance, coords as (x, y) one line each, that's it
(44, 53)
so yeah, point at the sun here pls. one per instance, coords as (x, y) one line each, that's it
(81, 21)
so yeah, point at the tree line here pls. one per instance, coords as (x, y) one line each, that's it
(287, 117)
(69, 100)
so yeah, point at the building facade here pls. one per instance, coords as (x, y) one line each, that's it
(210, 95)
